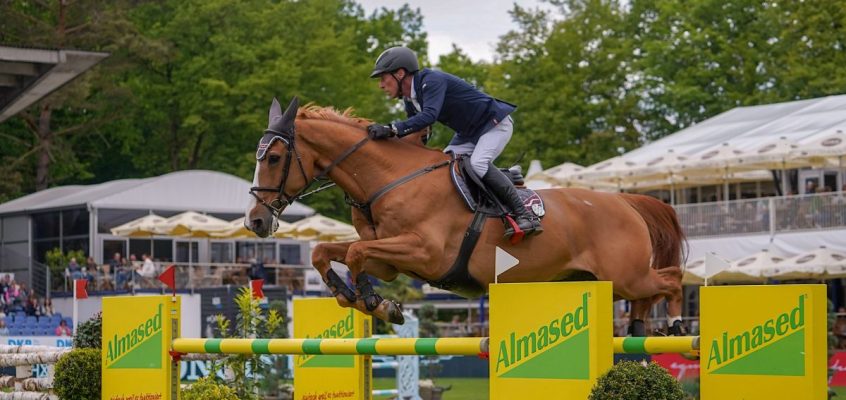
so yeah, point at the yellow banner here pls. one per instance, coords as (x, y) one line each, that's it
(763, 342)
(318, 377)
(137, 332)
(549, 339)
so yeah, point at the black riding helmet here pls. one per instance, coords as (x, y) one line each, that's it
(395, 58)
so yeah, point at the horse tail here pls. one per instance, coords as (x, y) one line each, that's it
(669, 245)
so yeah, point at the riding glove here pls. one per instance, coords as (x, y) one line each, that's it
(380, 131)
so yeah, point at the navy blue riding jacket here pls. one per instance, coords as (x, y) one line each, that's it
(453, 102)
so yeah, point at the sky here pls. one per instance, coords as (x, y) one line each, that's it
(474, 25)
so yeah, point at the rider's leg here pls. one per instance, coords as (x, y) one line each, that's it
(489, 147)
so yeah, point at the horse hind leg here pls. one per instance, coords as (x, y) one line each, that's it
(660, 284)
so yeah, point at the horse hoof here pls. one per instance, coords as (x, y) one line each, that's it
(677, 329)
(390, 311)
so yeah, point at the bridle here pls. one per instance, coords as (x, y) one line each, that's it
(282, 200)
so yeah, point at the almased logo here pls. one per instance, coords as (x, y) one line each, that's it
(556, 350)
(775, 347)
(140, 347)
(342, 329)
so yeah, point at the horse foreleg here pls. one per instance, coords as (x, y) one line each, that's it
(321, 256)
(400, 250)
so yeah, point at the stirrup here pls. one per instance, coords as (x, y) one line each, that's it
(513, 231)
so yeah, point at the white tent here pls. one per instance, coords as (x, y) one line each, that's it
(141, 227)
(748, 269)
(810, 265)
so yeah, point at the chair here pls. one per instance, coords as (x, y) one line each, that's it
(14, 331)
(47, 332)
(31, 319)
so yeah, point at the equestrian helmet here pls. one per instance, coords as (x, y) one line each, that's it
(395, 58)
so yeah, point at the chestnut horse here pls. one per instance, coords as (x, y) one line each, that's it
(417, 226)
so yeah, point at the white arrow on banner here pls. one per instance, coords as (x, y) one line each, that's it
(504, 262)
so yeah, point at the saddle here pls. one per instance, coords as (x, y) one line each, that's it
(479, 199)
(484, 205)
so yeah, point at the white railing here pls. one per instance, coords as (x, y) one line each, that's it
(764, 215)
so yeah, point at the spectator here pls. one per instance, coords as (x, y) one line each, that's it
(4, 331)
(146, 272)
(47, 307)
(123, 274)
(74, 269)
(13, 299)
(257, 270)
(90, 269)
(63, 329)
(31, 308)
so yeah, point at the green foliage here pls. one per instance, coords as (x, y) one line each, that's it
(207, 388)
(629, 380)
(77, 375)
(251, 322)
(58, 261)
(89, 334)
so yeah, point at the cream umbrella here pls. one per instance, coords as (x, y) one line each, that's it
(721, 160)
(778, 155)
(192, 224)
(823, 147)
(748, 269)
(319, 227)
(664, 167)
(815, 264)
(615, 170)
(237, 229)
(141, 227)
(564, 171)
(694, 272)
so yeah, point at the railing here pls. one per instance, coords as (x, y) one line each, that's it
(197, 275)
(26, 270)
(764, 215)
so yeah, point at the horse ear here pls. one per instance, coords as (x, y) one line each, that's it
(291, 113)
(275, 112)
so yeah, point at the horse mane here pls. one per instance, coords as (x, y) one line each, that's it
(346, 117)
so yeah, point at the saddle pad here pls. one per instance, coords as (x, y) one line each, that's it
(470, 193)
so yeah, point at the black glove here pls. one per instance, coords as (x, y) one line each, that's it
(379, 131)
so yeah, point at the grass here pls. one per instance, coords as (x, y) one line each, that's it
(462, 388)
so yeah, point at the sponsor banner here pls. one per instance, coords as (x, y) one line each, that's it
(53, 341)
(549, 338)
(137, 332)
(763, 342)
(334, 377)
(837, 363)
(680, 367)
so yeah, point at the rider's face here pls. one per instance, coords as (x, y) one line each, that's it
(389, 85)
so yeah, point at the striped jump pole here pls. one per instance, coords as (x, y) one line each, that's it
(656, 345)
(369, 346)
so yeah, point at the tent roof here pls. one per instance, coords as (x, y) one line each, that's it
(746, 127)
(191, 190)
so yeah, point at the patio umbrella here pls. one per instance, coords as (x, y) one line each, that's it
(319, 227)
(694, 272)
(614, 170)
(237, 229)
(664, 167)
(775, 155)
(748, 269)
(811, 265)
(823, 147)
(141, 227)
(192, 224)
(721, 160)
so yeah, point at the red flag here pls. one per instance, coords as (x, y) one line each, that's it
(255, 287)
(79, 291)
(168, 277)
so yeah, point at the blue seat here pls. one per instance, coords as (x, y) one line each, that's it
(48, 332)
(9, 320)
(69, 321)
(31, 319)
(14, 331)
(57, 316)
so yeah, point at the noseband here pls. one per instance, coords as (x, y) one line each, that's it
(282, 200)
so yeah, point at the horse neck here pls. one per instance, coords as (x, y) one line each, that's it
(371, 167)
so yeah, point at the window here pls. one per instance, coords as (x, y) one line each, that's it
(75, 222)
(45, 225)
(110, 247)
(108, 219)
(139, 247)
(244, 251)
(290, 254)
(75, 244)
(221, 252)
(163, 250)
(183, 250)
(41, 247)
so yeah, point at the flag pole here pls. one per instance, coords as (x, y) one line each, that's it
(75, 306)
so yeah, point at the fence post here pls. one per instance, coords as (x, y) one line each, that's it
(772, 217)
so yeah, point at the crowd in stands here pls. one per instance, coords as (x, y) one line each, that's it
(118, 274)
(23, 313)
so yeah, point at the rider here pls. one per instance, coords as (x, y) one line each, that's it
(482, 124)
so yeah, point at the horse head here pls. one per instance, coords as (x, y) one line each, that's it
(280, 175)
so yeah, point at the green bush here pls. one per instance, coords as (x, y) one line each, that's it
(89, 334)
(630, 380)
(77, 375)
(208, 389)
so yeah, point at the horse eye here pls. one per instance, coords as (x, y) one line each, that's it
(273, 159)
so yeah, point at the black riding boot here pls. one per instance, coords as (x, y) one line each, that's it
(501, 186)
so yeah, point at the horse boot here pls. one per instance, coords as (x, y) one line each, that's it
(502, 187)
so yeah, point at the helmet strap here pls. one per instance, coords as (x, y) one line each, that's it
(399, 83)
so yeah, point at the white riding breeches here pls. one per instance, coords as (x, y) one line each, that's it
(488, 148)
